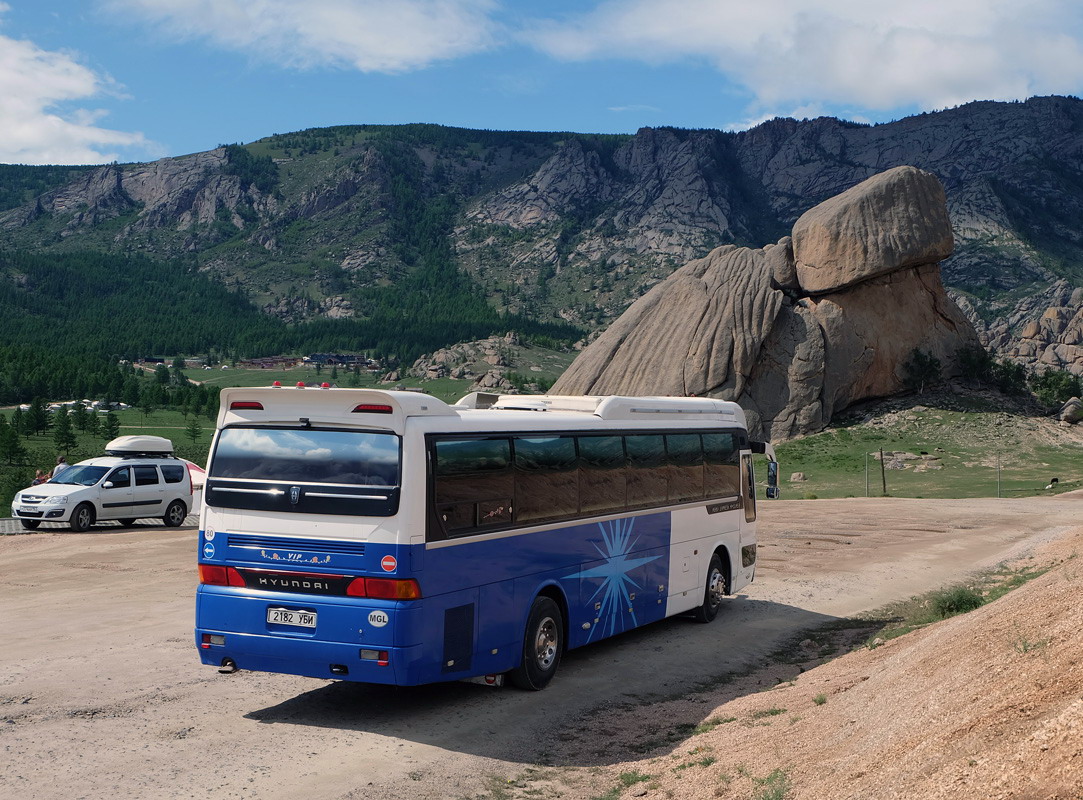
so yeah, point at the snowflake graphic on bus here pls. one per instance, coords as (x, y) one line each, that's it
(617, 587)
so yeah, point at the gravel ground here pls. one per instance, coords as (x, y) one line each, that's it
(101, 692)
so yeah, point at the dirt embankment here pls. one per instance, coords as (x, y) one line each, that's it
(101, 693)
(986, 705)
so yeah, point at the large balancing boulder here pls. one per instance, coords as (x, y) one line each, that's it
(896, 219)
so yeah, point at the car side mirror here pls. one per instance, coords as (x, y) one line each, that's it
(107, 485)
(773, 492)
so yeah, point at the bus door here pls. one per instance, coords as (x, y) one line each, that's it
(748, 524)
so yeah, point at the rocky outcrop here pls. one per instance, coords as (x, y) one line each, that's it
(741, 324)
(174, 193)
(1042, 330)
(1071, 412)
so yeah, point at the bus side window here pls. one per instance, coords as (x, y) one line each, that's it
(722, 473)
(603, 474)
(685, 455)
(473, 484)
(546, 479)
(648, 480)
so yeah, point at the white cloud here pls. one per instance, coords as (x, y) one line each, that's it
(368, 35)
(869, 54)
(33, 85)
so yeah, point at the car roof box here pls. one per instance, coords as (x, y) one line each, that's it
(140, 446)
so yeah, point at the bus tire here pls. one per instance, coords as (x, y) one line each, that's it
(543, 642)
(82, 517)
(713, 592)
(30, 524)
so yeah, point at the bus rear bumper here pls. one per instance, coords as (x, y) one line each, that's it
(310, 658)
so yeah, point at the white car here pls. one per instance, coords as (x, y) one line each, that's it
(140, 478)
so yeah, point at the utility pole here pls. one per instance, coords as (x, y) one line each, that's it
(998, 474)
(883, 473)
(866, 473)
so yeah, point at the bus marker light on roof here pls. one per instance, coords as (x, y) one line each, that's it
(246, 404)
(371, 408)
(300, 384)
(325, 386)
(277, 384)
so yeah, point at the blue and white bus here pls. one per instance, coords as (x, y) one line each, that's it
(387, 537)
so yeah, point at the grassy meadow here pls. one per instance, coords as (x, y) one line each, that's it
(968, 454)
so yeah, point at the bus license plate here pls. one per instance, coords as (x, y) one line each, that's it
(286, 616)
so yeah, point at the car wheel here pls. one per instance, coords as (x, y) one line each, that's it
(82, 517)
(713, 592)
(30, 524)
(175, 514)
(127, 522)
(542, 645)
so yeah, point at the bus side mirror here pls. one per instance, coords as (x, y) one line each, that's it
(772, 481)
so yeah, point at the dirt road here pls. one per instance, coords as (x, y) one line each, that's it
(101, 692)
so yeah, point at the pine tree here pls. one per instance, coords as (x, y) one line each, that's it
(193, 430)
(19, 423)
(37, 417)
(79, 417)
(112, 426)
(63, 436)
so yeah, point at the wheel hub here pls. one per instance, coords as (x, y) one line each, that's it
(545, 644)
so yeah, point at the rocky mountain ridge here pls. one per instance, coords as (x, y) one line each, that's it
(576, 227)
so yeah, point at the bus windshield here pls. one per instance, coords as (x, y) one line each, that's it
(355, 458)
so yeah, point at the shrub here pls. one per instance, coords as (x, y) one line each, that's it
(921, 371)
(956, 600)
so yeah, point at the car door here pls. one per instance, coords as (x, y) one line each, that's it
(147, 491)
(116, 494)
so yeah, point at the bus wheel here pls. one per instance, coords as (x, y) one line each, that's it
(30, 524)
(542, 644)
(82, 517)
(713, 592)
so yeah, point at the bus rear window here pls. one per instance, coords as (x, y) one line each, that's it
(356, 458)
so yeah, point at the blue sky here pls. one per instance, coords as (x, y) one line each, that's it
(92, 81)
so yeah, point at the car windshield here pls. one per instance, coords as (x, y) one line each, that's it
(80, 475)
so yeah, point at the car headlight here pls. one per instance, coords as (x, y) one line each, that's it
(58, 500)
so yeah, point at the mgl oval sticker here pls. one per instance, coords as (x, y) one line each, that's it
(378, 619)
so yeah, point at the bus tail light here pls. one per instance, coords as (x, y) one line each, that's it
(381, 657)
(216, 575)
(393, 589)
(250, 405)
(384, 588)
(211, 638)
